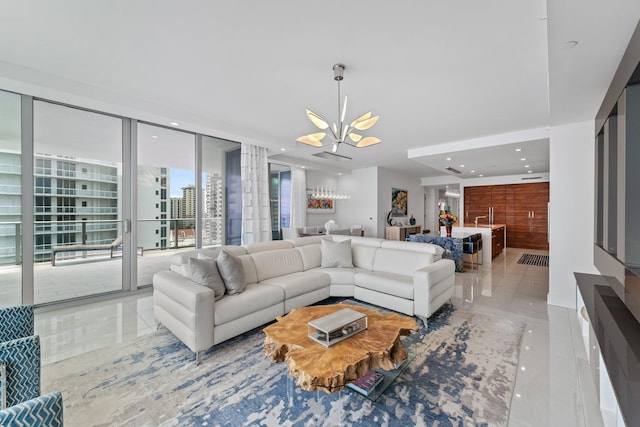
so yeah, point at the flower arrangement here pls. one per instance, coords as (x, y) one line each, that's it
(447, 218)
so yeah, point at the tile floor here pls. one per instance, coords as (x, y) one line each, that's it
(551, 389)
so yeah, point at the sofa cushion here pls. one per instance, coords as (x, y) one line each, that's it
(268, 246)
(254, 298)
(299, 283)
(231, 271)
(336, 254)
(277, 263)
(387, 283)
(363, 255)
(205, 272)
(311, 256)
(401, 262)
(341, 276)
(250, 273)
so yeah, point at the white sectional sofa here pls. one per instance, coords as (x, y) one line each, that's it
(407, 277)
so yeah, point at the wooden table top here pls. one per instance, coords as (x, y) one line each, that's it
(317, 367)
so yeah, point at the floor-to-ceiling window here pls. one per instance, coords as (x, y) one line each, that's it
(280, 198)
(10, 200)
(88, 174)
(215, 187)
(77, 202)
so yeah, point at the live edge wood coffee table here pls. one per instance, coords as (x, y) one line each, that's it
(316, 367)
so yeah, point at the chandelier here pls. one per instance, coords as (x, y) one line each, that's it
(325, 192)
(340, 133)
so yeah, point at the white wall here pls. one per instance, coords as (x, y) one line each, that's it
(362, 208)
(387, 180)
(571, 223)
(314, 179)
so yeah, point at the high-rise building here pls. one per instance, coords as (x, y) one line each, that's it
(189, 202)
(153, 192)
(212, 230)
(176, 207)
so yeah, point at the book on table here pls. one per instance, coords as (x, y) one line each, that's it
(367, 383)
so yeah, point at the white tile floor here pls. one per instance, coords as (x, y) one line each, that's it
(548, 389)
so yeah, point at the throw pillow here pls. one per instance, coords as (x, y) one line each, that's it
(230, 268)
(336, 254)
(205, 273)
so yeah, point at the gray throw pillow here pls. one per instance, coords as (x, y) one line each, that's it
(336, 254)
(205, 273)
(230, 268)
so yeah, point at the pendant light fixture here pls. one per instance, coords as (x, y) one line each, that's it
(338, 131)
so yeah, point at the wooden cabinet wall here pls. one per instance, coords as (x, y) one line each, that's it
(521, 207)
(485, 201)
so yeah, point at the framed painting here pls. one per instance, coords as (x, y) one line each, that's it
(317, 205)
(399, 202)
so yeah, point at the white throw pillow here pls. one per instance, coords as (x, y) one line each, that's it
(205, 272)
(336, 254)
(232, 272)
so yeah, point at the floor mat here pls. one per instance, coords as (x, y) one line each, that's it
(532, 259)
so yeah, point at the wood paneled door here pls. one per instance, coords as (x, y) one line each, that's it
(527, 216)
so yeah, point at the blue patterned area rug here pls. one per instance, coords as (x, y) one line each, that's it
(463, 375)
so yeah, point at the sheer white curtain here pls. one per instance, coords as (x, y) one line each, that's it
(254, 174)
(298, 197)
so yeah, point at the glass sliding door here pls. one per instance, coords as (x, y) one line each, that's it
(10, 200)
(214, 190)
(166, 197)
(280, 198)
(77, 203)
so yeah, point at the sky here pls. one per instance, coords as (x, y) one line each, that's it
(179, 178)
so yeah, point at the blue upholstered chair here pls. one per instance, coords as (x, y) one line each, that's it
(45, 411)
(19, 356)
(16, 322)
(19, 370)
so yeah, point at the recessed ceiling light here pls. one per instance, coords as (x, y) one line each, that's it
(461, 166)
(339, 173)
(480, 175)
(304, 167)
(174, 124)
(518, 149)
(154, 136)
(473, 171)
(448, 158)
(569, 45)
(283, 149)
(522, 159)
(526, 166)
(529, 171)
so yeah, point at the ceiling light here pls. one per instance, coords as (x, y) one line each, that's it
(526, 166)
(569, 45)
(304, 167)
(339, 173)
(518, 149)
(461, 166)
(523, 159)
(174, 124)
(473, 171)
(480, 175)
(530, 171)
(154, 136)
(448, 158)
(283, 149)
(340, 133)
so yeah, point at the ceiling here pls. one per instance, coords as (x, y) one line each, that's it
(439, 74)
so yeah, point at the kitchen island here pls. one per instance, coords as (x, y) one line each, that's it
(493, 238)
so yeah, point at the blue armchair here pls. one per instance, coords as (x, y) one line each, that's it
(45, 411)
(16, 322)
(19, 370)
